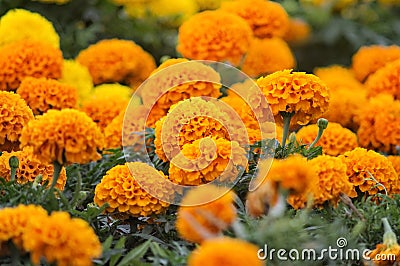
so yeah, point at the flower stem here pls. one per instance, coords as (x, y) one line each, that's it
(14, 164)
(389, 237)
(322, 124)
(286, 124)
(56, 174)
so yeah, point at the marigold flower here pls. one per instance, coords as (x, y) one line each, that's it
(28, 59)
(77, 75)
(107, 64)
(14, 221)
(21, 25)
(197, 222)
(66, 136)
(330, 76)
(42, 94)
(214, 35)
(368, 59)
(61, 240)
(225, 251)
(396, 163)
(201, 163)
(29, 168)
(334, 141)
(261, 200)
(266, 56)
(266, 18)
(209, 4)
(379, 123)
(298, 33)
(385, 80)
(370, 172)
(303, 94)
(124, 194)
(14, 116)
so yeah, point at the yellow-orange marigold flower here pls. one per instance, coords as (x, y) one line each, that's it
(61, 240)
(396, 163)
(124, 194)
(214, 35)
(334, 141)
(298, 33)
(201, 163)
(29, 168)
(303, 94)
(330, 74)
(42, 94)
(368, 59)
(14, 221)
(14, 116)
(379, 123)
(385, 80)
(107, 64)
(382, 251)
(266, 18)
(266, 56)
(66, 136)
(210, 4)
(362, 164)
(195, 222)
(261, 200)
(21, 25)
(28, 59)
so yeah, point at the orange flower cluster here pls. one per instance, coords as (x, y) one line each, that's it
(206, 159)
(396, 163)
(266, 18)
(107, 64)
(214, 35)
(368, 59)
(66, 136)
(385, 80)
(28, 59)
(303, 94)
(125, 195)
(380, 124)
(370, 172)
(196, 222)
(29, 168)
(14, 116)
(334, 141)
(42, 94)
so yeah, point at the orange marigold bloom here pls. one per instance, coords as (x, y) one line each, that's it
(266, 56)
(303, 94)
(29, 168)
(214, 35)
(330, 74)
(385, 80)
(368, 59)
(331, 182)
(125, 195)
(266, 18)
(396, 163)
(197, 222)
(225, 251)
(14, 221)
(14, 116)
(42, 94)
(199, 163)
(61, 240)
(298, 33)
(334, 141)
(107, 64)
(379, 123)
(362, 164)
(384, 251)
(28, 59)
(66, 136)
(261, 200)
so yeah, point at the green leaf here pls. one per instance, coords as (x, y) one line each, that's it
(135, 254)
(120, 245)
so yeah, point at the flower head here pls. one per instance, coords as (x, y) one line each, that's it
(209, 4)
(298, 33)
(28, 59)
(266, 56)
(66, 136)
(21, 25)
(385, 80)
(303, 94)
(14, 116)
(29, 168)
(214, 35)
(370, 172)
(396, 163)
(61, 239)
(124, 194)
(195, 222)
(42, 94)
(334, 141)
(107, 64)
(266, 18)
(330, 74)
(225, 251)
(261, 200)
